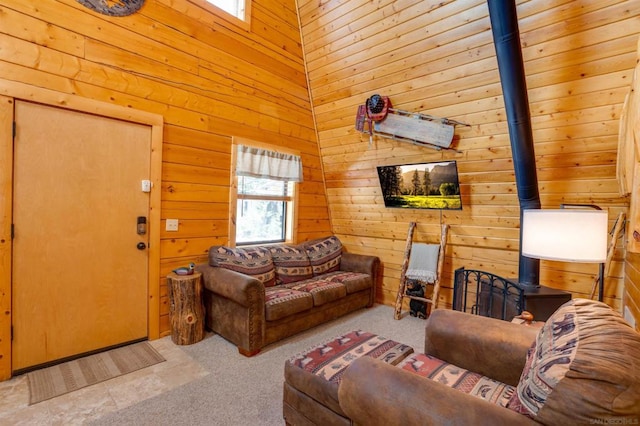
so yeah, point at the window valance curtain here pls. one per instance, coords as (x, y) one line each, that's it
(266, 164)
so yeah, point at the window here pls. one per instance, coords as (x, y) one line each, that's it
(232, 7)
(262, 210)
(237, 12)
(263, 199)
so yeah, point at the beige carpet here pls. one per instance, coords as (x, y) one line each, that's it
(248, 391)
(59, 379)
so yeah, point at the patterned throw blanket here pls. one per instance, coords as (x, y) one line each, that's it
(329, 360)
(458, 378)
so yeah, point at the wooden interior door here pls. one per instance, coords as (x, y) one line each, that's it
(80, 281)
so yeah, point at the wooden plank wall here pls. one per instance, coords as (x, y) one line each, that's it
(209, 79)
(632, 286)
(438, 58)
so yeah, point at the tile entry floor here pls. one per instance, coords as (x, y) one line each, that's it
(97, 400)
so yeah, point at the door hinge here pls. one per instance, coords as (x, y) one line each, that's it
(13, 232)
(11, 332)
(14, 129)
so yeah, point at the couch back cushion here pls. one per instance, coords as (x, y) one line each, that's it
(255, 261)
(584, 366)
(291, 263)
(324, 254)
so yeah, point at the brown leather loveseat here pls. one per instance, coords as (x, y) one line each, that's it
(581, 367)
(258, 295)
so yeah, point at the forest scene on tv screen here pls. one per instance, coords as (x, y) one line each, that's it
(421, 186)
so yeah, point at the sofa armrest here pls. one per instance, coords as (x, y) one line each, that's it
(362, 263)
(240, 288)
(491, 347)
(373, 392)
(370, 265)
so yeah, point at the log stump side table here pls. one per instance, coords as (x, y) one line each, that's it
(186, 309)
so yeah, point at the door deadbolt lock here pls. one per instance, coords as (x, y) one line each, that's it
(141, 227)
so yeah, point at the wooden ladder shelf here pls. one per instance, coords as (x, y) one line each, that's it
(402, 288)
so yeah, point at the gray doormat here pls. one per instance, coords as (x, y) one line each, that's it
(63, 378)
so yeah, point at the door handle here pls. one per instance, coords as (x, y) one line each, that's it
(141, 246)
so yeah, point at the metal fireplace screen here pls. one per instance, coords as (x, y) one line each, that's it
(486, 294)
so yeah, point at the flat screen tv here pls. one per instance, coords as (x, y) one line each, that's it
(432, 185)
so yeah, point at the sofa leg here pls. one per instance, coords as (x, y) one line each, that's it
(248, 353)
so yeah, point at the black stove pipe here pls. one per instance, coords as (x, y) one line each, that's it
(506, 37)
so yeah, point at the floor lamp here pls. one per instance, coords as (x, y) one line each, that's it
(568, 235)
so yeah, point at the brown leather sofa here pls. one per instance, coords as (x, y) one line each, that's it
(259, 295)
(582, 366)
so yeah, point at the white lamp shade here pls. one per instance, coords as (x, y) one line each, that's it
(570, 235)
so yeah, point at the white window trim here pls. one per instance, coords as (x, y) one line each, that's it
(222, 14)
(292, 210)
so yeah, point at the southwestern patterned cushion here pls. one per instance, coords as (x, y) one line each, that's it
(291, 263)
(256, 262)
(281, 302)
(353, 281)
(585, 353)
(329, 360)
(458, 378)
(322, 291)
(548, 361)
(324, 255)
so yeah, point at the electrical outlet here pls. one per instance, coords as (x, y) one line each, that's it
(146, 185)
(171, 225)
